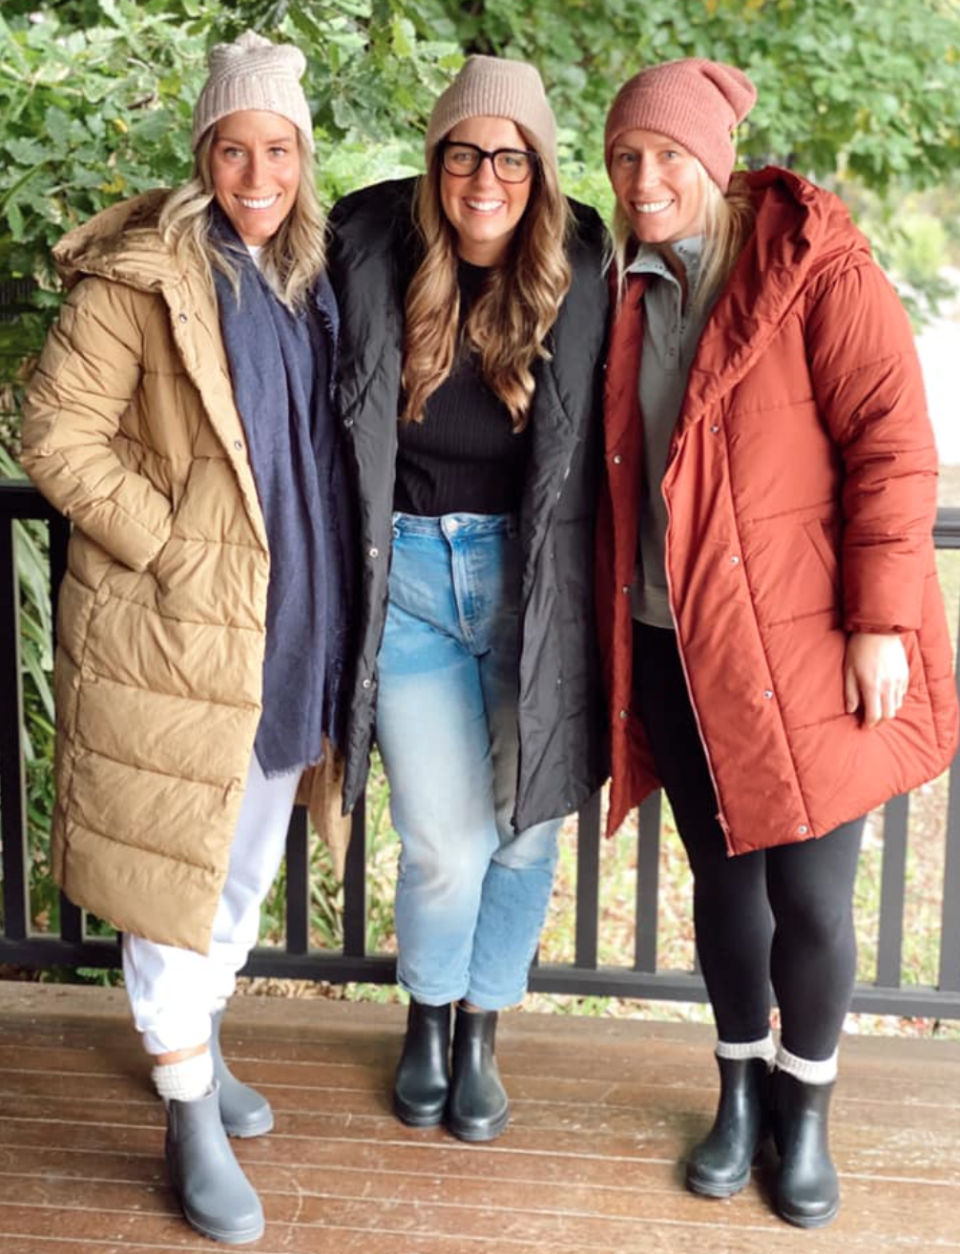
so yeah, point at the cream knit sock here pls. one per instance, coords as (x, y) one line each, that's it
(805, 1069)
(763, 1048)
(185, 1081)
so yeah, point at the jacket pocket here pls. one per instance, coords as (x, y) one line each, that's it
(825, 539)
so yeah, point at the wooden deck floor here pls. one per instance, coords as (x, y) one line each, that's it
(603, 1111)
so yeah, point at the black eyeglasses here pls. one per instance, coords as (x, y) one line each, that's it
(510, 165)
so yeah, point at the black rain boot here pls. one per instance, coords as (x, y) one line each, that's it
(243, 1110)
(422, 1082)
(720, 1165)
(479, 1108)
(807, 1193)
(217, 1198)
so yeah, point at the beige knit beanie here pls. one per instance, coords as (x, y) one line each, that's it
(697, 102)
(490, 87)
(253, 73)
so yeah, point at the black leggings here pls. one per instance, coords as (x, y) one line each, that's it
(807, 947)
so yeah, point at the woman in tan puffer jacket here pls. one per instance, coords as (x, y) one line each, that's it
(181, 416)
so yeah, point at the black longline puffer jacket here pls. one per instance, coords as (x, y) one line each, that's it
(373, 253)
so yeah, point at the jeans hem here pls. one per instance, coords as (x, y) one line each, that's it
(432, 999)
(485, 1001)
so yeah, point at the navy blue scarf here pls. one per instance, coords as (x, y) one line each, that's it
(282, 366)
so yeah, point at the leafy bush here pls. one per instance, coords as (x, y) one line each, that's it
(95, 105)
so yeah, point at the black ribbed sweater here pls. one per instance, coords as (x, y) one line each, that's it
(464, 458)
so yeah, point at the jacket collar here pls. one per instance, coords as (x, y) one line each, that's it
(120, 243)
(800, 231)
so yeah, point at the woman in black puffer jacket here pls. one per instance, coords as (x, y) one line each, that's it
(473, 309)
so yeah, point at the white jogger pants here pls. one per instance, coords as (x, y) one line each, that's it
(173, 992)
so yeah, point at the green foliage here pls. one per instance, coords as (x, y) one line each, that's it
(868, 88)
(96, 95)
(96, 99)
(95, 106)
(915, 236)
(89, 115)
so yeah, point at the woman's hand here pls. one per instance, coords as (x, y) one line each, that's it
(875, 675)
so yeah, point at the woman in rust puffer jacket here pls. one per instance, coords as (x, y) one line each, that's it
(775, 645)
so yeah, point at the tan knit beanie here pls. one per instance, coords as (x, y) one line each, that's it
(253, 73)
(490, 87)
(696, 102)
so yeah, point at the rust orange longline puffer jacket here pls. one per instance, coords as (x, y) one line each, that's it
(801, 491)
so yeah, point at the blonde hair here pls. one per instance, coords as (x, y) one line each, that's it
(725, 222)
(509, 321)
(294, 257)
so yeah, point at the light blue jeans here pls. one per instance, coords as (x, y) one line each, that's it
(471, 893)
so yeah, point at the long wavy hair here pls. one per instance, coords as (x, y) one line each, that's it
(294, 257)
(510, 320)
(726, 221)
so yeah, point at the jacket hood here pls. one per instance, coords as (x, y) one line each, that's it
(120, 243)
(802, 233)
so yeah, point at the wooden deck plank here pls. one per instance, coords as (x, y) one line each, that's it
(915, 1157)
(719, 1228)
(603, 1113)
(910, 1150)
(871, 1082)
(291, 1195)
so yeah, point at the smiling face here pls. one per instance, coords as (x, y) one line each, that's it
(482, 210)
(659, 186)
(255, 167)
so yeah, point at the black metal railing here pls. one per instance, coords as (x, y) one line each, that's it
(643, 979)
(16, 298)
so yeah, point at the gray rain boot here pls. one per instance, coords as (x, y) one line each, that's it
(244, 1111)
(217, 1198)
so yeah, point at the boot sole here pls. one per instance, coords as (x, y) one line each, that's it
(242, 1237)
(709, 1188)
(474, 1134)
(417, 1118)
(809, 1221)
(242, 1131)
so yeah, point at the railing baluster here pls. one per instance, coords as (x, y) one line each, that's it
(16, 903)
(71, 921)
(648, 883)
(355, 886)
(588, 885)
(949, 975)
(58, 530)
(892, 884)
(298, 884)
(59, 539)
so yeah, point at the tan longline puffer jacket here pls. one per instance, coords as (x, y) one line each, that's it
(130, 429)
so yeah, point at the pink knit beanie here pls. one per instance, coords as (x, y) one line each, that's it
(694, 101)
